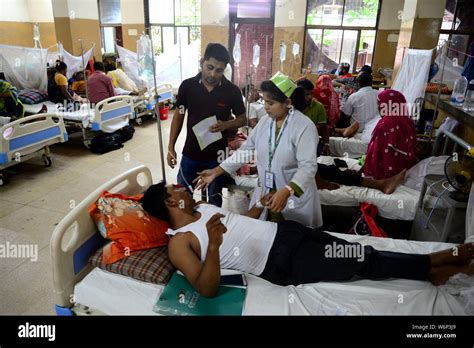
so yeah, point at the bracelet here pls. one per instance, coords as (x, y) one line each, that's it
(288, 187)
(259, 204)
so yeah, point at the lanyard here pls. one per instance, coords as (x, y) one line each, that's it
(277, 141)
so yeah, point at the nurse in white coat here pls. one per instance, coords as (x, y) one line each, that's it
(285, 142)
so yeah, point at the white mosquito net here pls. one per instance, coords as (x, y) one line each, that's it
(168, 67)
(452, 71)
(24, 67)
(74, 63)
(128, 59)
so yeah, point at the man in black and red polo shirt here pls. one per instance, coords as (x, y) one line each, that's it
(207, 94)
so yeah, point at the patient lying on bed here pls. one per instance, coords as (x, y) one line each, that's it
(206, 239)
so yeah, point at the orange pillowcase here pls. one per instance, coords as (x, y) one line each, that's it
(123, 220)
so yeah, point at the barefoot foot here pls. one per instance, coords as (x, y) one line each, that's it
(391, 184)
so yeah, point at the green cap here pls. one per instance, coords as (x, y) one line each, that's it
(284, 84)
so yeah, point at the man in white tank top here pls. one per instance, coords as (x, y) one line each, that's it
(206, 239)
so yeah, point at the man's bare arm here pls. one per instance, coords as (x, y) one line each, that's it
(237, 122)
(176, 126)
(204, 277)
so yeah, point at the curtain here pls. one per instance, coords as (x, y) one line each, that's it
(413, 75)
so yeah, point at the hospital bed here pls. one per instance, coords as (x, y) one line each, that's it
(357, 145)
(348, 147)
(81, 289)
(145, 104)
(108, 116)
(351, 196)
(29, 137)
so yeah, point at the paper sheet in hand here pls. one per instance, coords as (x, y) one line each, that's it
(203, 135)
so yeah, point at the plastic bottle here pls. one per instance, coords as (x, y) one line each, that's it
(282, 52)
(428, 126)
(459, 91)
(469, 101)
(256, 55)
(237, 53)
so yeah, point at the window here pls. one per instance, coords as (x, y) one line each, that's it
(110, 17)
(174, 19)
(458, 27)
(340, 31)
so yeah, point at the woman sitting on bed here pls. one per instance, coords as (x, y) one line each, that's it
(392, 146)
(324, 93)
(58, 89)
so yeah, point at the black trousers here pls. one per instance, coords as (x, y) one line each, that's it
(301, 255)
(343, 177)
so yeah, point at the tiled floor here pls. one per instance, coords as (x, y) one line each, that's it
(37, 198)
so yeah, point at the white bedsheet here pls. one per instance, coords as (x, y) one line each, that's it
(352, 147)
(400, 205)
(118, 295)
(85, 114)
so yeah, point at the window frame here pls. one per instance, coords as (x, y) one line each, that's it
(149, 25)
(107, 25)
(359, 30)
(452, 31)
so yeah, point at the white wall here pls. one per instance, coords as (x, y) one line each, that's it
(390, 14)
(84, 9)
(79, 9)
(290, 13)
(132, 11)
(409, 10)
(215, 12)
(41, 11)
(60, 8)
(14, 11)
(27, 11)
(423, 9)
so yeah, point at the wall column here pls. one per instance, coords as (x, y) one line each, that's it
(420, 27)
(78, 19)
(133, 22)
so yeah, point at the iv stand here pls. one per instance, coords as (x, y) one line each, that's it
(84, 68)
(435, 115)
(157, 114)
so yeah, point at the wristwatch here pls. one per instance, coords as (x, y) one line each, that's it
(259, 204)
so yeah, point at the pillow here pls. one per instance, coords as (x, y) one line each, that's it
(152, 265)
(32, 96)
(123, 220)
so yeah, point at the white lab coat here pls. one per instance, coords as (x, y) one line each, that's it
(294, 160)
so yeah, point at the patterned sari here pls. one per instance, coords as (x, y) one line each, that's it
(324, 93)
(392, 146)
